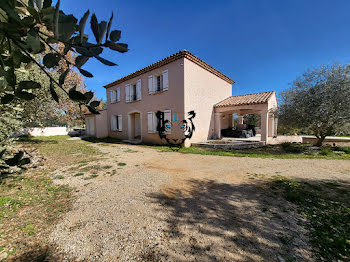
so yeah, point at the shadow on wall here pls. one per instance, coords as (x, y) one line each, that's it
(211, 128)
(211, 221)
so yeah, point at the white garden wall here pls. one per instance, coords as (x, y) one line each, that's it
(45, 131)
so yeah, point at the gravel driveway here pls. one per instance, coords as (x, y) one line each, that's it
(164, 206)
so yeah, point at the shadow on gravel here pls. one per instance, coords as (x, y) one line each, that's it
(258, 221)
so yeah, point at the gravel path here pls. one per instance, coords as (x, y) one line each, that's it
(181, 207)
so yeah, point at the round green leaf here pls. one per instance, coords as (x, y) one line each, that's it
(51, 60)
(95, 104)
(7, 98)
(25, 95)
(85, 73)
(89, 95)
(28, 85)
(76, 95)
(122, 48)
(115, 35)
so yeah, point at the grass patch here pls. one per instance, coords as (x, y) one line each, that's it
(269, 151)
(130, 151)
(93, 168)
(326, 206)
(106, 167)
(90, 177)
(78, 174)
(57, 148)
(121, 164)
(29, 206)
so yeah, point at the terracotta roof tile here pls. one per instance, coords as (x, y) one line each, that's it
(250, 99)
(169, 59)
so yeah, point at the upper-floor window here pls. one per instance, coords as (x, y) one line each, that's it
(133, 91)
(158, 83)
(114, 95)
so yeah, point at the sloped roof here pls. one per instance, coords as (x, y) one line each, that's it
(250, 99)
(169, 59)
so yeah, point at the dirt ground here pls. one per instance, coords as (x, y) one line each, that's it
(166, 206)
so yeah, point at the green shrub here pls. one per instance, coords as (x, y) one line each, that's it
(345, 149)
(291, 148)
(325, 152)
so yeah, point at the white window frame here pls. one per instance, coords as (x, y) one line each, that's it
(153, 82)
(117, 125)
(114, 95)
(152, 120)
(133, 91)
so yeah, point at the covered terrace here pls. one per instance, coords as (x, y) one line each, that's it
(264, 104)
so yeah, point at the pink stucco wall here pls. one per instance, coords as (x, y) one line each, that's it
(190, 88)
(202, 90)
(172, 99)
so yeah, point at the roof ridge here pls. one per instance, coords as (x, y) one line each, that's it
(180, 54)
(255, 93)
(247, 99)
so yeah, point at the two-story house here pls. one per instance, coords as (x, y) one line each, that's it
(174, 85)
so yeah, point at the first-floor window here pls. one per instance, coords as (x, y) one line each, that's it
(116, 122)
(152, 121)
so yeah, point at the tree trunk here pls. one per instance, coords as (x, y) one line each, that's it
(320, 140)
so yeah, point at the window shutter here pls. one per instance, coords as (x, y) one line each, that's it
(167, 116)
(127, 93)
(112, 123)
(154, 84)
(111, 96)
(165, 80)
(138, 90)
(155, 122)
(150, 84)
(120, 122)
(150, 122)
(118, 94)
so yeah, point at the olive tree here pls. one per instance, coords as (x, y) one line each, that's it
(318, 101)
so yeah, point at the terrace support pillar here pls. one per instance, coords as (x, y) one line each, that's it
(217, 121)
(264, 126)
(240, 120)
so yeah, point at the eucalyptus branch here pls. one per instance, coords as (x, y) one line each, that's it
(41, 67)
(53, 49)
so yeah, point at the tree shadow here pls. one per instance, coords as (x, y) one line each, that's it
(108, 140)
(212, 221)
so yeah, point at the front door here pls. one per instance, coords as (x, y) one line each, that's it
(137, 126)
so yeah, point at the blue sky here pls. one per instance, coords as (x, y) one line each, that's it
(261, 44)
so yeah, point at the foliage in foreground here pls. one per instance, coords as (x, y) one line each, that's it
(327, 208)
(27, 28)
(318, 102)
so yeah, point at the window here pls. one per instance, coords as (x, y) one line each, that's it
(133, 96)
(158, 83)
(133, 92)
(116, 123)
(114, 95)
(152, 121)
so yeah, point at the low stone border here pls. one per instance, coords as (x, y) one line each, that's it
(230, 146)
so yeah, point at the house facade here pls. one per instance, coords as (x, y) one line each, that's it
(175, 85)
